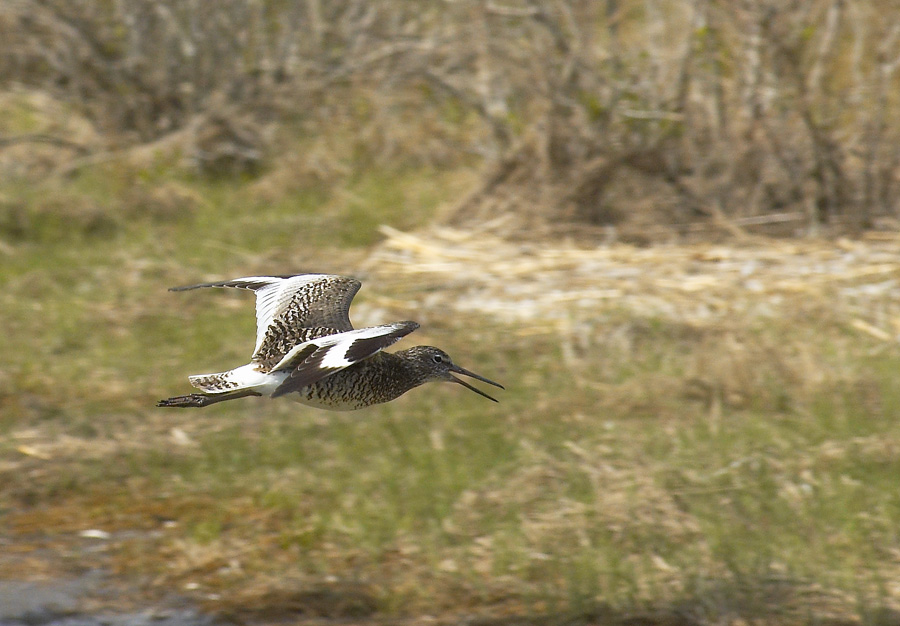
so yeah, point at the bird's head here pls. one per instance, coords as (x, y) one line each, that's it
(433, 365)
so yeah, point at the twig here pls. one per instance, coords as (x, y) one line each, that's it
(41, 138)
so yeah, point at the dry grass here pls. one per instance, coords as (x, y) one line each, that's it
(700, 285)
(730, 306)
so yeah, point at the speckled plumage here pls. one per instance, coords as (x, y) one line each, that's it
(307, 348)
(283, 335)
(375, 380)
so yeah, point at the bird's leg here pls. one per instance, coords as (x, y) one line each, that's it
(202, 399)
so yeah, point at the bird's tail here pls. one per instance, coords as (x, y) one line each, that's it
(244, 377)
(240, 382)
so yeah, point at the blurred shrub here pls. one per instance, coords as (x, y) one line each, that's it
(758, 113)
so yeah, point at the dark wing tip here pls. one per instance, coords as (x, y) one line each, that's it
(197, 286)
(239, 283)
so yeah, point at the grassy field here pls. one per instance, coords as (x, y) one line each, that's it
(739, 473)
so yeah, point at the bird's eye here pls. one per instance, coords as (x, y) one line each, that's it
(438, 358)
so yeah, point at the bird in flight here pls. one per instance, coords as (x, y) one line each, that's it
(306, 348)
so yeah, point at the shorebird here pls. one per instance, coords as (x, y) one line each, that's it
(306, 348)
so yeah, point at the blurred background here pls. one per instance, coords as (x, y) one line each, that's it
(669, 227)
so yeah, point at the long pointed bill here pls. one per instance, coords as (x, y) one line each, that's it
(458, 370)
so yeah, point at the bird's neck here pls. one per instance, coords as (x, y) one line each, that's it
(397, 374)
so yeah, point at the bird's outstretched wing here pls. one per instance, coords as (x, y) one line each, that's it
(313, 360)
(293, 309)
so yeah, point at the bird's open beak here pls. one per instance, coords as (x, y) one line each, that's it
(458, 370)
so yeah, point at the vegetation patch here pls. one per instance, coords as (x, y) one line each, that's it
(699, 423)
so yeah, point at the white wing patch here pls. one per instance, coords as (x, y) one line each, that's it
(273, 295)
(274, 298)
(316, 359)
(337, 346)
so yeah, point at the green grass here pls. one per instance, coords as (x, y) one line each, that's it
(766, 490)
